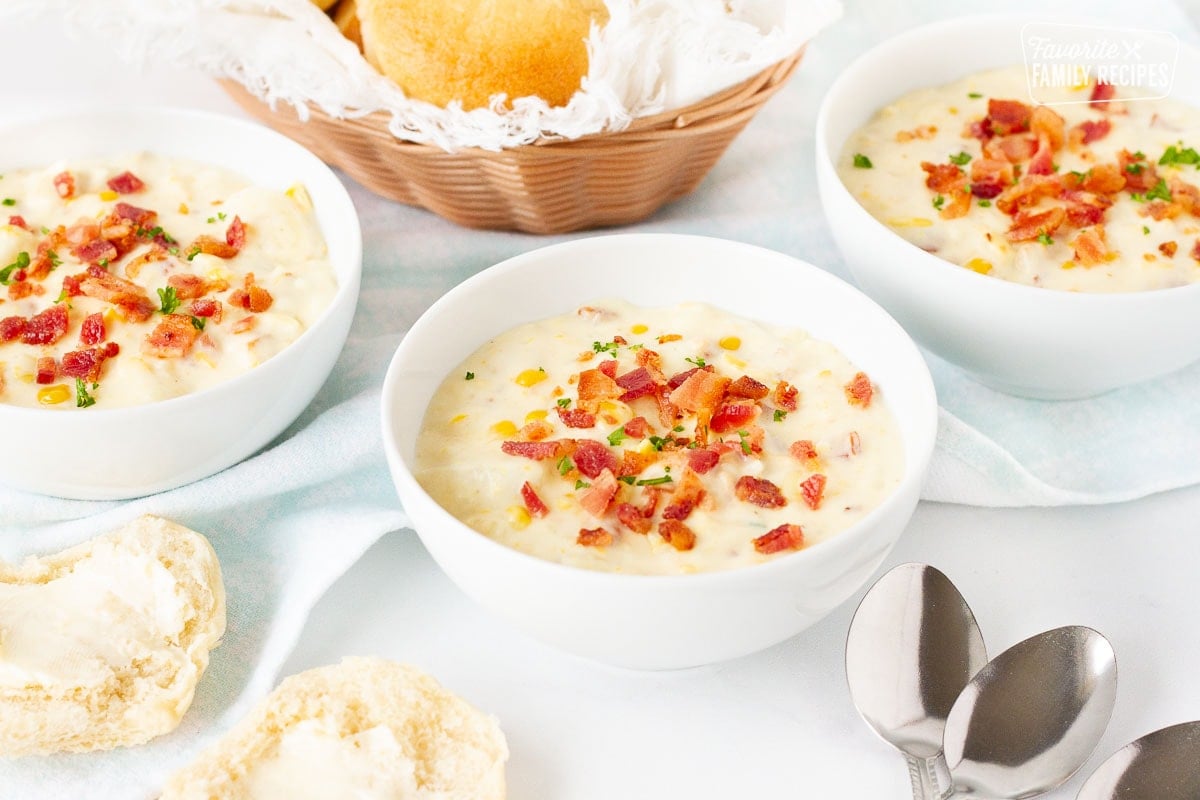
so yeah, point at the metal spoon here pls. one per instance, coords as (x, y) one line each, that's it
(1033, 715)
(1164, 765)
(913, 645)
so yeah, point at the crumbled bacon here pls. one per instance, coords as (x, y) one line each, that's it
(786, 396)
(1045, 122)
(92, 331)
(188, 287)
(19, 289)
(990, 177)
(1042, 162)
(980, 129)
(594, 537)
(252, 296)
(592, 458)
(608, 367)
(677, 534)
(701, 461)
(64, 185)
(803, 449)
(1085, 209)
(1028, 226)
(689, 493)
(594, 387)
(1185, 195)
(536, 430)
(577, 418)
(18, 221)
(1090, 131)
(747, 387)
(1196, 250)
(126, 183)
(1028, 192)
(859, 390)
(1140, 174)
(128, 296)
(1105, 179)
(677, 380)
(235, 234)
(813, 490)
(733, 416)
(12, 328)
(700, 393)
(631, 517)
(87, 363)
(1159, 210)
(1090, 247)
(47, 370)
(785, 537)
(1008, 116)
(538, 451)
(1102, 94)
(533, 503)
(759, 491)
(951, 181)
(207, 307)
(47, 326)
(134, 266)
(1168, 249)
(634, 462)
(637, 383)
(637, 428)
(95, 251)
(597, 499)
(172, 337)
(211, 247)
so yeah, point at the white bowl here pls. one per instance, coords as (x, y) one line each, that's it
(108, 454)
(1019, 339)
(656, 622)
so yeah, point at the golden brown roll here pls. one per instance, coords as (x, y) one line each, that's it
(345, 16)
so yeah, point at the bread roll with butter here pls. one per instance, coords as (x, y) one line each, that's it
(102, 645)
(367, 729)
(469, 50)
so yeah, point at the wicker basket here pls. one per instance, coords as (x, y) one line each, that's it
(550, 186)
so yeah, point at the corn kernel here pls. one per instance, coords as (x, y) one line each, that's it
(530, 377)
(505, 427)
(108, 194)
(639, 328)
(457, 418)
(219, 274)
(53, 395)
(735, 361)
(615, 410)
(533, 416)
(979, 265)
(1068, 265)
(183, 208)
(910, 222)
(953, 109)
(518, 517)
(730, 343)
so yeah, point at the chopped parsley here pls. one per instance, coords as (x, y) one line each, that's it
(616, 437)
(1139, 156)
(82, 398)
(605, 347)
(974, 95)
(199, 322)
(192, 252)
(62, 295)
(985, 203)
(655, 481)
(1146, 229)
(1178, 156)
(54, 259)
(862, 162)
(1159, 192)
(1134, 169)
(21, 263)
(155, 232)
(564, 402)
(780, 415)
(103, 262)
(744, 436)
(470, 376)
(565, 465)
(657, 442)
(678, 429)
(582, 484)
(1045, 238)
(220, 215)
(629, 479)
(960, 159)
(938, 202)
(698, 361)
(8, 201)
(168, 299)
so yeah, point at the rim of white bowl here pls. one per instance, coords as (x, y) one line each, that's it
(345, 287)
(925, 430)
(892, 50)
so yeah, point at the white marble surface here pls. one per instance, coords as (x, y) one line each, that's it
(775, 725)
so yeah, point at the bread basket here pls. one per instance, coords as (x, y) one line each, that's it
(550, 186)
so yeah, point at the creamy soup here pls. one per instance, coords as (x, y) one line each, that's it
(137, 279)
(1091, 195)
(658, 440)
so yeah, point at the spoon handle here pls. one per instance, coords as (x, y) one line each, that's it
(928, 775)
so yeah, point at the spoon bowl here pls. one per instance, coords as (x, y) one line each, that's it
(1164, 765)
(1029, 720)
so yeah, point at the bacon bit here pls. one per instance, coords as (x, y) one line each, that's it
(637, 428)
(592, 458)
(64, 184)
(676, 534)
(631, 517)
(1090, 247)
(19, 289)
(859, 390)
(1196, 250)
(732, 416)
(1105, 179)
(608, 367)
(649, 359)
(1090, 131)
(1028, 226)
(1185, 195)
(669, 337)
(944, 178)
(577, 418)
(855, 443)
(678, 378)
(701, 461)
(667, 412)
(46, 327)
(18, 221)
(188, 287)
(134, 267)
(130, 297)
(1102, 94)
(537, 451)
(252, 296)
(171, 338)
(47, 370)
(211, 247)
(140, 217)
(1143, 178)
(1168, 249)
(759, 491)
(700, 393)
(747, 387)
(1043, 159)
(803, 450)
(1159, 210)
(595, 386)
(980, 129)
(235, 234)
(1045, 122)
(813, 490)
(12, 328)
(1027, 192)
(990, 176)
(786, 396)
(126, 183)
(537, 430)
(95, 251)
(785, 537)
(1008, 116)
(1087, 211)
(86, 364)
(637, 383)
(92, 330)
(597, 499)
(594, 537)
(533, 503)
(689, 493)
(634, 462)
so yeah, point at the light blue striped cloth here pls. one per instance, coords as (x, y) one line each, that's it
(289, 521)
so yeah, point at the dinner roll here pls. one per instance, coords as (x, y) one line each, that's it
(345, 16)
(469, 50)
(365, 729)
(102, 645)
